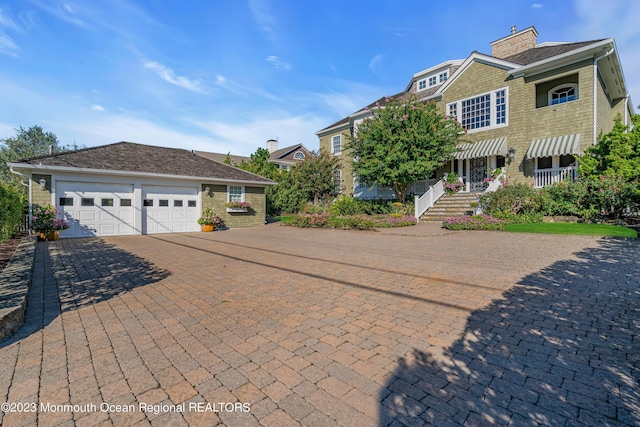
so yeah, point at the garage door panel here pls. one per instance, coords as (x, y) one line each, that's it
(96, 220)
(169, 212)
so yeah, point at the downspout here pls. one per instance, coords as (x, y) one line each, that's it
(626, 110)
(595, 94)
(30, 192)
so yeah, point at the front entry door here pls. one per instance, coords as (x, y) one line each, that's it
(478, 172)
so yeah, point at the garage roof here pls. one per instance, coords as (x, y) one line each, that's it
(139, 158)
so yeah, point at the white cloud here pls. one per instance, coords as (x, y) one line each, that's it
(97, 107)
(168, 75)
(537, 6)
(244, 138)
(277, 63)
(375, 64)
(7, 46)
(261, 12)
(242, 90)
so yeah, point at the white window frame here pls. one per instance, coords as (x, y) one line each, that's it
(493, 109)
(421, 85)
(299, 155)
(567, 86)
(337, 180)
(229, 194)
(433, 80)
(442, 77)
(333, 144)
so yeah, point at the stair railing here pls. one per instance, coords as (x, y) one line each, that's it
(428, 199)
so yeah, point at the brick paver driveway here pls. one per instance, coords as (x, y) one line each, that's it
(279, 326)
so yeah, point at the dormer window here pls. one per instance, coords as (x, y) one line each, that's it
(563, 93)
(298, 156)
(432, 81)
(443, 77)
(422, 85)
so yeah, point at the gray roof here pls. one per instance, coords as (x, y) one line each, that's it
(287, 153)
(221, 157)
(131, 157)
(543, 52)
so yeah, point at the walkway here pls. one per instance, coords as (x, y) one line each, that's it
(278, 326)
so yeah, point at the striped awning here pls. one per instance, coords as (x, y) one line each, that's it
(490, 147)
(555, 146)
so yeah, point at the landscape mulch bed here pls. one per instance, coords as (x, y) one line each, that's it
(8, 247)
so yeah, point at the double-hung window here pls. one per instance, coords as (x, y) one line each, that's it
(336, 142)
(481, 112)
(235, 193)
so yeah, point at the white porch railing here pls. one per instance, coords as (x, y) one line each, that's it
(420, 187)
(544, 177)
(429, 198)
(496, 183)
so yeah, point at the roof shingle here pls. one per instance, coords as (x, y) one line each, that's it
(131, 157)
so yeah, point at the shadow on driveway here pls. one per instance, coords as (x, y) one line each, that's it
(72, 273)
(560, 348)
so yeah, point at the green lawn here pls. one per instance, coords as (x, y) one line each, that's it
(572, 228)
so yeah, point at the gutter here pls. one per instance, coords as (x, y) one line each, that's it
(595, 93)
(138, 174)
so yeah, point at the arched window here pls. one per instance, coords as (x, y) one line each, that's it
(298, 156)
(563, 93)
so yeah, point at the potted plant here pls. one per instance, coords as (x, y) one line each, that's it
(237, 206)
(209, 220)
(45, 221)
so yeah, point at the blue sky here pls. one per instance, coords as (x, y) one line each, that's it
(226, 75)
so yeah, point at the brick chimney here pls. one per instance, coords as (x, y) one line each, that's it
(514, 43)
(272, 145)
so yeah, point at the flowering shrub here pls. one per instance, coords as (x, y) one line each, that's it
(359, 222)
(452, 184)
(209, 218)
(476, 222)
(45, 220)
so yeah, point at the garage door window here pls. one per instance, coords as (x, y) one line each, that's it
(125, 202)
(192, 203)
(163, 203)
(177, 203)
(147, 202)
(66, 201)
(107, 202)
(86, 202)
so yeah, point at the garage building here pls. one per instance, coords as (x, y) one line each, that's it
(128, 189)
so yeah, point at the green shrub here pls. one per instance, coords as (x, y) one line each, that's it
(511, 201)
(11, 211)
(563, 198)
(345, 205)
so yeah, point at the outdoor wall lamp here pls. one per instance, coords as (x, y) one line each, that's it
(511, 153)
(43, 184)
(208, 191)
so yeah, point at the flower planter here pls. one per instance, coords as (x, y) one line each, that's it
(50, 236)
(207, 228)
(236, 210)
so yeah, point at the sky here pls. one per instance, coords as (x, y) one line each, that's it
(227, 75)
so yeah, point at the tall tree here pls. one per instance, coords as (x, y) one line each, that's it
(315, 176)
(27, 143)
(617, 153)
(404, 141)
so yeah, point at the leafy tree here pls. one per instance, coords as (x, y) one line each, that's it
(259, 164)
(403, 142)
(617, 153)
(315, 176)
(27, 143)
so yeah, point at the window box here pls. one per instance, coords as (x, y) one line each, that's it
(236, 210)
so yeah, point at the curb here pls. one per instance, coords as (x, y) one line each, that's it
(15, 281)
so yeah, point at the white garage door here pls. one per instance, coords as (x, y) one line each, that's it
(94, 209)
(169, 209)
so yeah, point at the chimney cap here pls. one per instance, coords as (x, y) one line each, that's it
(513, 29)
